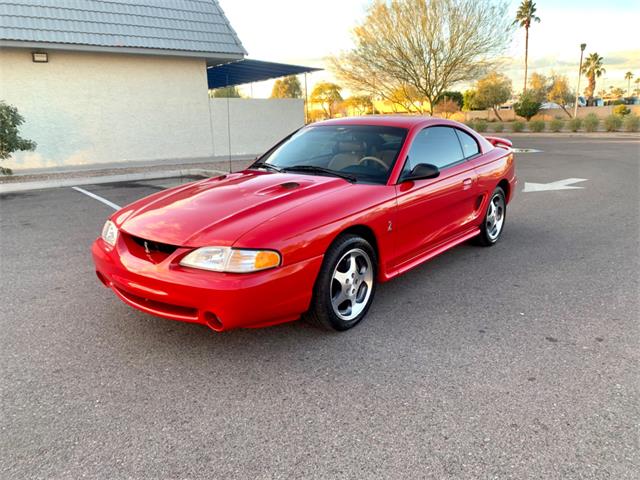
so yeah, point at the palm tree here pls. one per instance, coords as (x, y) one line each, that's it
(524, 16)
(628, 76)
(593, 69)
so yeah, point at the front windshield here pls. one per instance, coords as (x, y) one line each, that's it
(364, 152)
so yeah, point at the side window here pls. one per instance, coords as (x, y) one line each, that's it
(469, 144)
(438, 146)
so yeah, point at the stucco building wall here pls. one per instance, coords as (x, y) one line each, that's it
(86, 108)
(95, 108)
(255, 124)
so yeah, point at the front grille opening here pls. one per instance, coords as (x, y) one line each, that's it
(154, 247)
(154, 252)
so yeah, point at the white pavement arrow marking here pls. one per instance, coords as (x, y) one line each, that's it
(525, 150)
(559, 185)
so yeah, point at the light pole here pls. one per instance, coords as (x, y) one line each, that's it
(575, 107)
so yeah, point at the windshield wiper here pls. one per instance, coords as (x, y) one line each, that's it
(266, 166)
(315, 169)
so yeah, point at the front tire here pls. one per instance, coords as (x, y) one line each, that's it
(346, 284)
(493, 220)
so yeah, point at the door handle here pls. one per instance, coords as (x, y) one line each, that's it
(467, 183)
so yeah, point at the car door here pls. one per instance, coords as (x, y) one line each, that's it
(432, 211)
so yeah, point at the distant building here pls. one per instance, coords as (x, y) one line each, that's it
(105, 81)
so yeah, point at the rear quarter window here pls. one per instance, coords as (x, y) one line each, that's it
(469, 145)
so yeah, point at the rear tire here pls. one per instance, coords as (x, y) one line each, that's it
(493, 219)
(345, 286)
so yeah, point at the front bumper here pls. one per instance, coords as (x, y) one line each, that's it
(221, 301)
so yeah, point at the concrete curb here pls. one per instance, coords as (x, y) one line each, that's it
(127, 177)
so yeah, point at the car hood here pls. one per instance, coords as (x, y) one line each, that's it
(217, 211)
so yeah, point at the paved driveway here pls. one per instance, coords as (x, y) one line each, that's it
(518, 361)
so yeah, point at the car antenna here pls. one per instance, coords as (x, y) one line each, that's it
(229, 124)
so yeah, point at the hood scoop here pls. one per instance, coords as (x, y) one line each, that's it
(283, 188)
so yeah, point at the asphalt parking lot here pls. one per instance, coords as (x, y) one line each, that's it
(518, 361)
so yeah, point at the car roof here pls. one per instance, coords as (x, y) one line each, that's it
(402, 121)
(409, 122)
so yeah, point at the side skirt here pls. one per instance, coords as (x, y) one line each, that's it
(420, 259)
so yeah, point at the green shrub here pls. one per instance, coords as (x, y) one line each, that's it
(470, 123)
(537, 126)
(480, 125)
(575, 124)
(498, 127)
(621, 110)
(613, 123)
(591, 122)
(556, 125)
(527, 107)
(631, 123)
(10, 140)
(517, 126)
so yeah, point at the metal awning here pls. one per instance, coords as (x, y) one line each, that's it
(249, 71)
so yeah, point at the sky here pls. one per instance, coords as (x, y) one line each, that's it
(305, 32)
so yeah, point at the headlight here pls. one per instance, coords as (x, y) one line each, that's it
(109, 233)
(226, 259)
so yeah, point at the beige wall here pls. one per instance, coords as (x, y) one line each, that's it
(94, 108)
(255, 124)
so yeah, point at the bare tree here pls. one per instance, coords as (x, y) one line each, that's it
(422, 48)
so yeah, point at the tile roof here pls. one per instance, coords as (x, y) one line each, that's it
(189, 26)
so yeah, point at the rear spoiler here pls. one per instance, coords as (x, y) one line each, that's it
(499, 142)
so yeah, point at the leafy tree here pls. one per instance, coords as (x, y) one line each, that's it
(539, 87)
(470, 101)
(226, 92)
(287, 87)
(422, 47)
(10, 140)
(451, 95)
(593, 69)
(560, 92)
(360, 104)
(406, 98)
(525, 15)
(617, 92)
(328, 96)
(628, 76)
(527, 106)
(492, 91)
(636, 90)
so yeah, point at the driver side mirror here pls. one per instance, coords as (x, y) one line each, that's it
(422, 171)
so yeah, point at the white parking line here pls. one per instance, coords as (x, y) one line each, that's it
(97, 197)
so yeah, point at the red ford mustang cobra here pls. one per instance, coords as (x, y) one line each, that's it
(312, 226)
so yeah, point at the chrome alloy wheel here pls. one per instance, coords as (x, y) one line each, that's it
(495, 217)
(351, 284)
